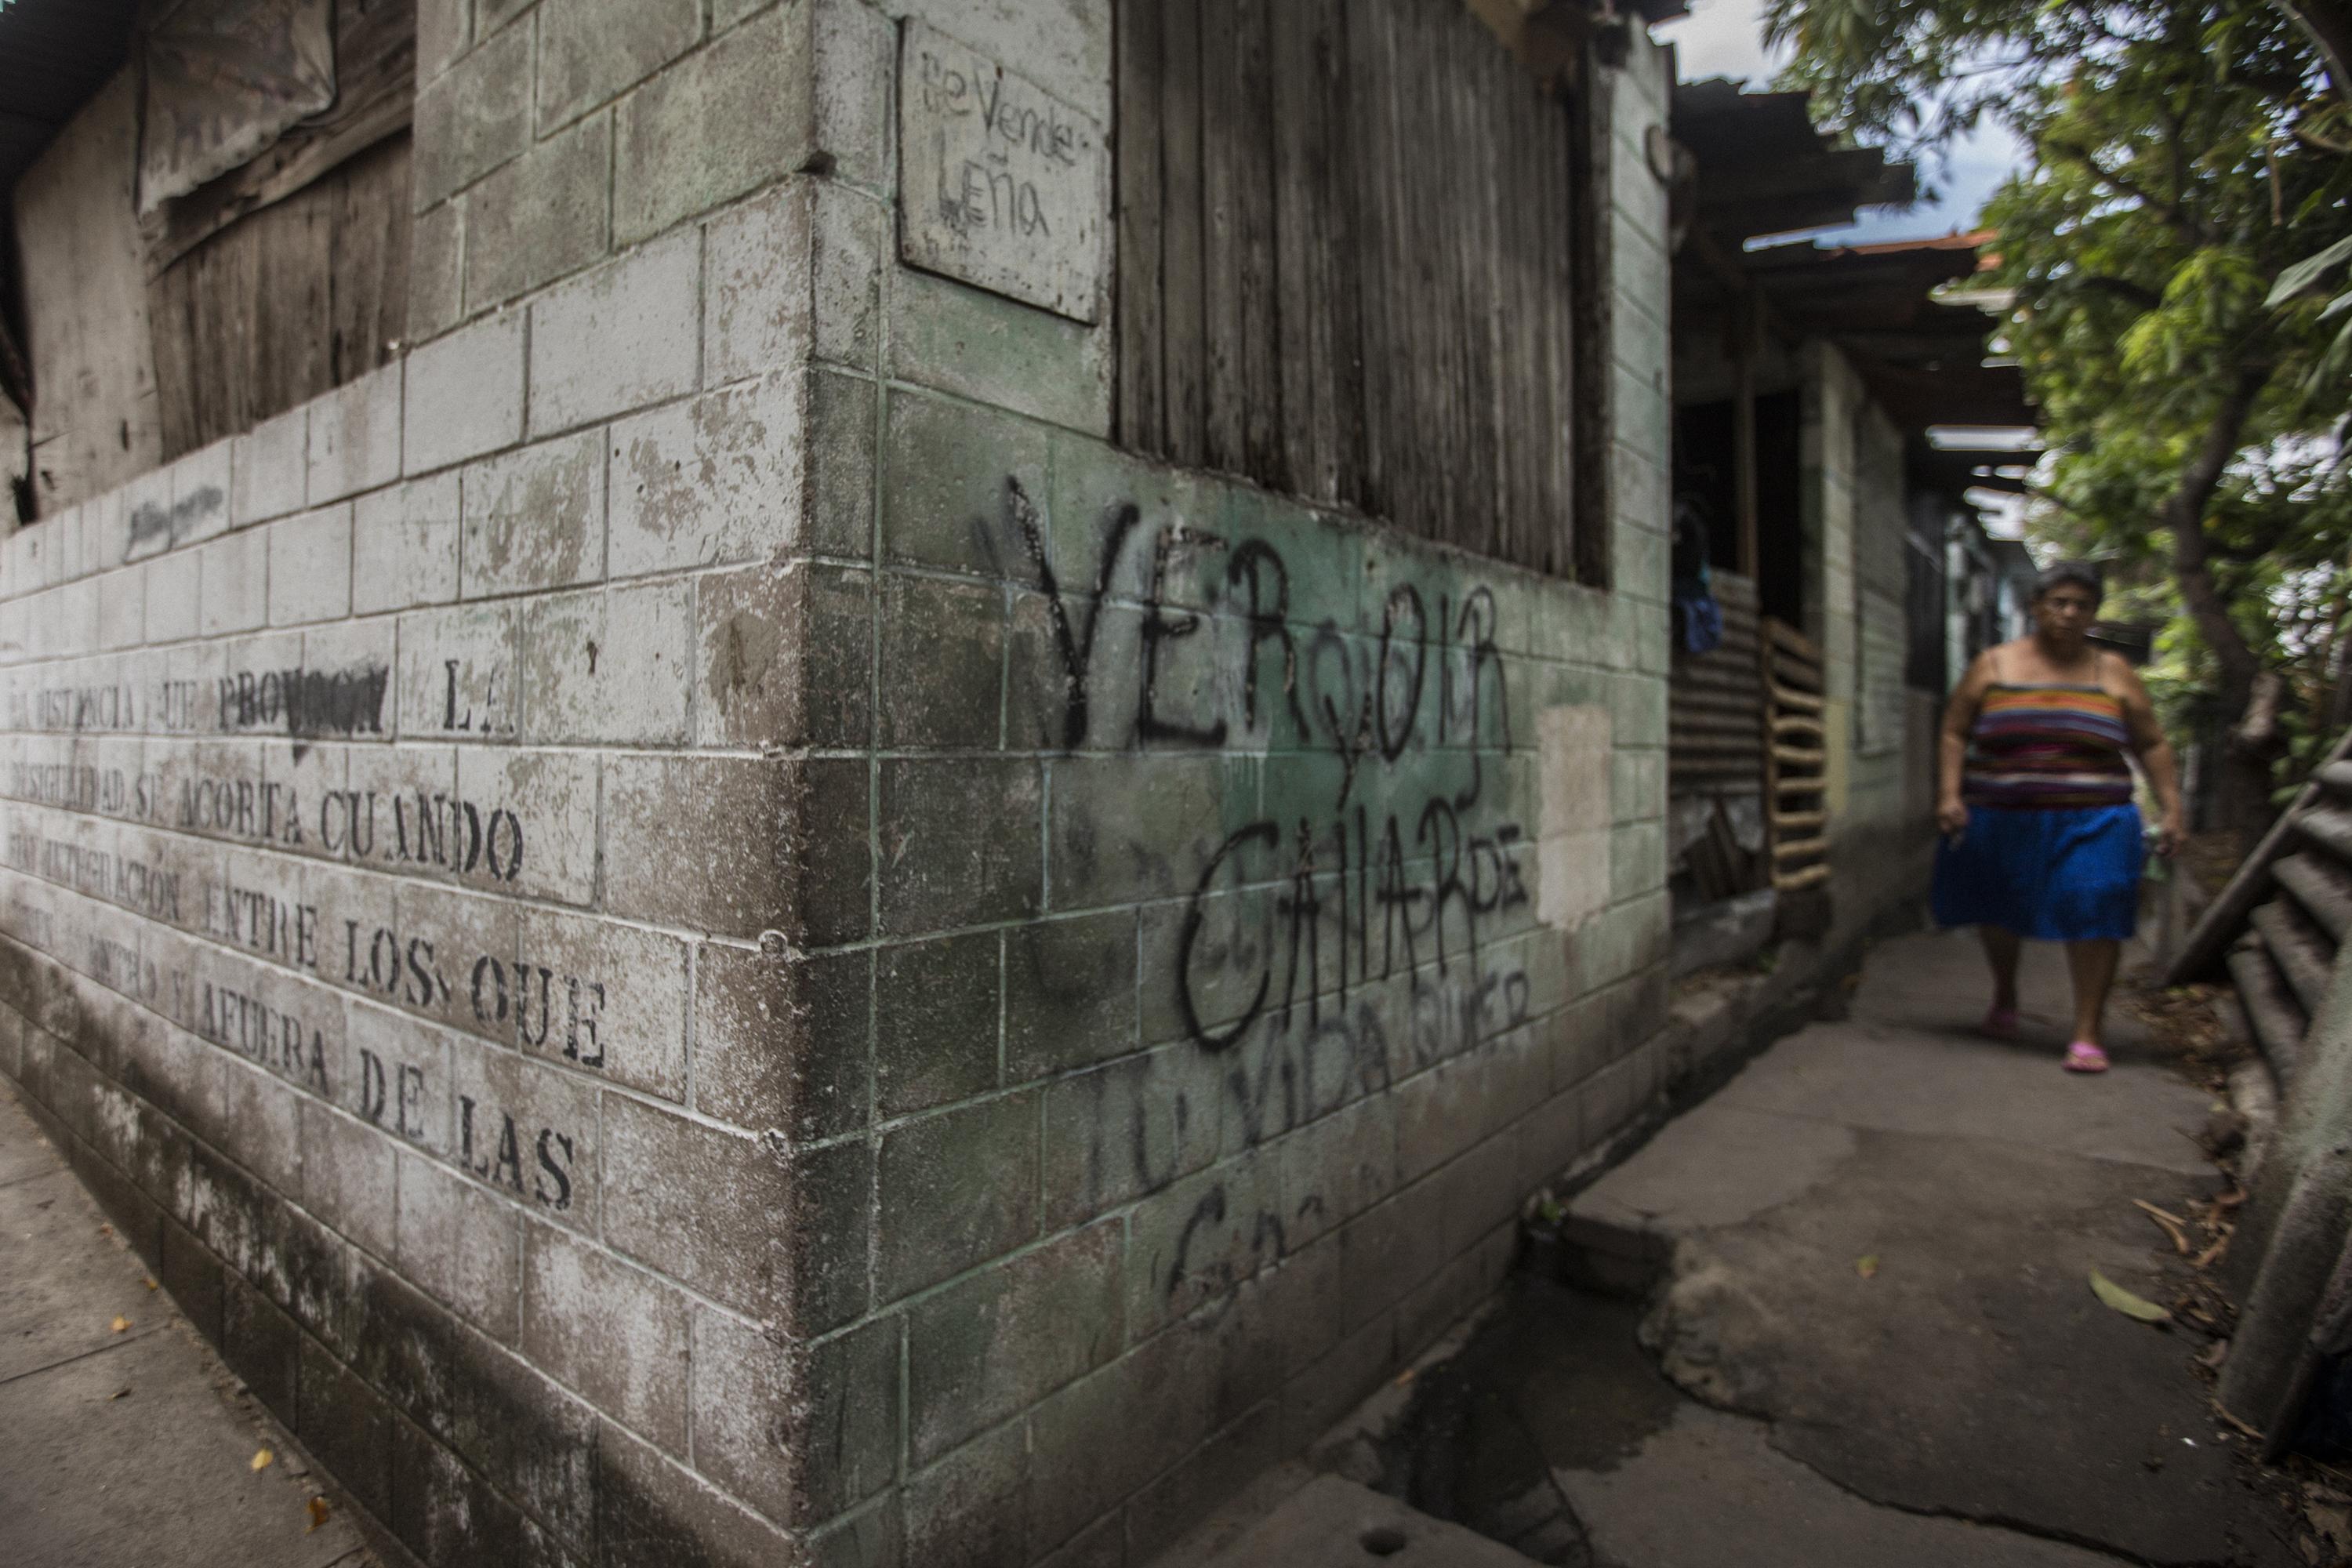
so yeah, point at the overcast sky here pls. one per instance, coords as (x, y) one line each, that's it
(1725, 37)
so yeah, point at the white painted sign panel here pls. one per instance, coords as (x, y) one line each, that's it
(1004, 185)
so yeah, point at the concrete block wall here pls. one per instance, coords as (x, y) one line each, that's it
(1263, 903)
(1880, 737)
(408, 814)
(701, 929)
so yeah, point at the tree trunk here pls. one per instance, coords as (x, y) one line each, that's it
(2330, 33)
(2241, 798)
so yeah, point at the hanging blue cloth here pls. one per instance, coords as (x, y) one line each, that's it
(1698, 618)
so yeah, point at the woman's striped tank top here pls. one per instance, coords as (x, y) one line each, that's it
(2039, 746)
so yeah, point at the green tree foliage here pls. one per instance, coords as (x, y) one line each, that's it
(2187, 157)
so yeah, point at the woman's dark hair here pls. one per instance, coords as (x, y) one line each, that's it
(2082, 573)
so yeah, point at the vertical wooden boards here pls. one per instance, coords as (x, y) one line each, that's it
(1184, 335)
(1555, 363)
(1226, 158)
(286, 303)
(1302, 217)
(1348, 264)
(1251, 132)
(1372, 118)
(1341, 417)
(293, 245)
(1136, 141)
(1589, 336)
(368, 270)
(94, 411)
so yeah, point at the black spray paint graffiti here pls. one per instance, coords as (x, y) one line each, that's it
(1364, 894)
(307, 704)
(1351, 938)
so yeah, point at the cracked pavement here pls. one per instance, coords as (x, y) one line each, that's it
(1966, 1400)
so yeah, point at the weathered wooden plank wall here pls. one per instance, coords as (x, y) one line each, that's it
(94, 409)
(274, 297)
(1348, 264)
(285, 303)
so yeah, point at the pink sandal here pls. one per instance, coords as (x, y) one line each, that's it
(2000, 1023)
(2083, 1057)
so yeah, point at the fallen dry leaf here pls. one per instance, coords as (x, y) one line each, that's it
(1866, 1266)
(2222, 1412)
(2172, 1224)
(261, 1458)
(120, 1324)
(318, 1512)
(153, 1286)
(2114, 1295)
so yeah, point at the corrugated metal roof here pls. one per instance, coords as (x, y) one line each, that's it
(54, 54)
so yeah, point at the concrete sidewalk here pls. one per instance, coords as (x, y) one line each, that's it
(1838, 1316)
(125, 1448)
(1965, 1372)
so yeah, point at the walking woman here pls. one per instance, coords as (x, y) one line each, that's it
(2034, 801)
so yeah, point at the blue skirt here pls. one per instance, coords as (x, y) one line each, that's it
(2057, 874)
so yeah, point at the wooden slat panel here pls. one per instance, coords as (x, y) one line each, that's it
(2277, 1019)
(1803, 702)
(1184, 326)
(1302, 217)
(1141, 371)
(1791, 771)
(2329, 828)
(1365, 289)
(2323, 887)
(1226, 159)
(1371, 131)
(368, 276)
(2297, 948)
(1790, 640)
(1342, 411)
(287, 302)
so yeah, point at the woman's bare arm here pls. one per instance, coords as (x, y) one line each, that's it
(2154, 753)
(1952, 747)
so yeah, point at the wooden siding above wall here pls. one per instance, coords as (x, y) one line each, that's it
(1348, 264)
(285, 303)
(94, 395)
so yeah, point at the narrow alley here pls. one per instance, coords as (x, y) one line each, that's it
(1130, 783)
(1839, 1314)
